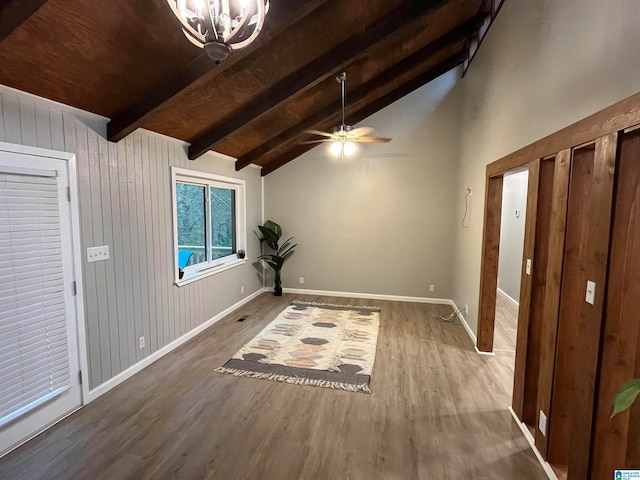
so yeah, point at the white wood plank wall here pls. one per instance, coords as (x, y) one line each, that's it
(125, 203)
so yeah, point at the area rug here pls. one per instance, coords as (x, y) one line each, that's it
(317, 344)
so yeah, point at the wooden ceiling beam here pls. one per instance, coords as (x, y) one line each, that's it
(402, 67)
(14, 13)
(311, 74)
(282, 15)
(375, 106)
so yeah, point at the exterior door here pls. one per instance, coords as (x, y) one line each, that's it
(39, 361)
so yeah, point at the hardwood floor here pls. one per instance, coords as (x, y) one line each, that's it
(438, 410)
(506, 325)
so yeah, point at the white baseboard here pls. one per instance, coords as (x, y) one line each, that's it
(527, 434)
(145, 362)
(371, 296)
(465, 324)
(472, 335)
(509, 299)
(483, 353)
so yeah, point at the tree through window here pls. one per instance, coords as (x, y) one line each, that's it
(207, 214)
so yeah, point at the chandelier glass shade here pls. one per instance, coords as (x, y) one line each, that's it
(219, 26)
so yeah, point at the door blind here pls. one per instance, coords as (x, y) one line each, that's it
(34, 362)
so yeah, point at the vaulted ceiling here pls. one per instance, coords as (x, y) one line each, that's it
(129, 61)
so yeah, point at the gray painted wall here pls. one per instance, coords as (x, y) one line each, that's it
(125, 202)
(379, 222)
(543, 66)
(514, 197)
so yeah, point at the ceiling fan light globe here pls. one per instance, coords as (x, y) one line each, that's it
(349, 148)
(335, 148)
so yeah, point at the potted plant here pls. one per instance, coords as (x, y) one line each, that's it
(271, 233)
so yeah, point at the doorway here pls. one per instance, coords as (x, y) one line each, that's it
(512, 226)
(39, 347)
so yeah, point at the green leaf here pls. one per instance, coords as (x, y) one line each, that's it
(274, 228)
(626, 396)
(288, 251)
(273, 265)
(269, 235)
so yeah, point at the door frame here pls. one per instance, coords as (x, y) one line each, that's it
(76, 247)
(616, 117)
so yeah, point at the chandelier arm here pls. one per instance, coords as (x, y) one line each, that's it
(213, 13)
(261, 16)
(186, 27)
(236, 30)
(195, 41)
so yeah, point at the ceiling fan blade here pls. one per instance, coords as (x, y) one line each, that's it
(322, 140)
(361, 131)
(370, 139)
(318, 132)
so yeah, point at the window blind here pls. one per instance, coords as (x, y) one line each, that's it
(34, 361)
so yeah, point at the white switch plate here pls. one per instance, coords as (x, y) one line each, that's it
(432, 288)
(97, 254)
(542, 423)
(301, 280)
(241, 289)
(141, 342)
(590, 296)
(528, 267)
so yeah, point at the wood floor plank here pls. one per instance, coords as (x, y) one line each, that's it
(438, 410)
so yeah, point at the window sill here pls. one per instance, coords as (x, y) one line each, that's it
(194, 277)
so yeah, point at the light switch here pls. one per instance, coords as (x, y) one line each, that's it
(97, 254)
(590, 297)
(528, 267)
(542, 423)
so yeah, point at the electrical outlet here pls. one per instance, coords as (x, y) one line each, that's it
(241, 289)
(141, 342)
(466, 308)
(528, 267)
(432, 288)
(301, 280)
(97, 254)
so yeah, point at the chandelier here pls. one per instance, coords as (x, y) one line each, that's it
(220, 26)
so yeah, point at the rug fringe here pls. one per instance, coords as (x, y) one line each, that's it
(352, 307)
(364, 388)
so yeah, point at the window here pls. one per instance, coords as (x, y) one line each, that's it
(209, 223)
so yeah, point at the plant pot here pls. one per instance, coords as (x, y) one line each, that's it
(277, 292)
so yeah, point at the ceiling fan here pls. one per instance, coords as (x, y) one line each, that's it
(344, 137)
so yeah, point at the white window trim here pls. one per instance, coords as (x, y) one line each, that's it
(200, 271)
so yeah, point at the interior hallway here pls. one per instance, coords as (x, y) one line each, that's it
(438, 410)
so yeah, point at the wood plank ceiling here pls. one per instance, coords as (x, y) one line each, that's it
(129, 61)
